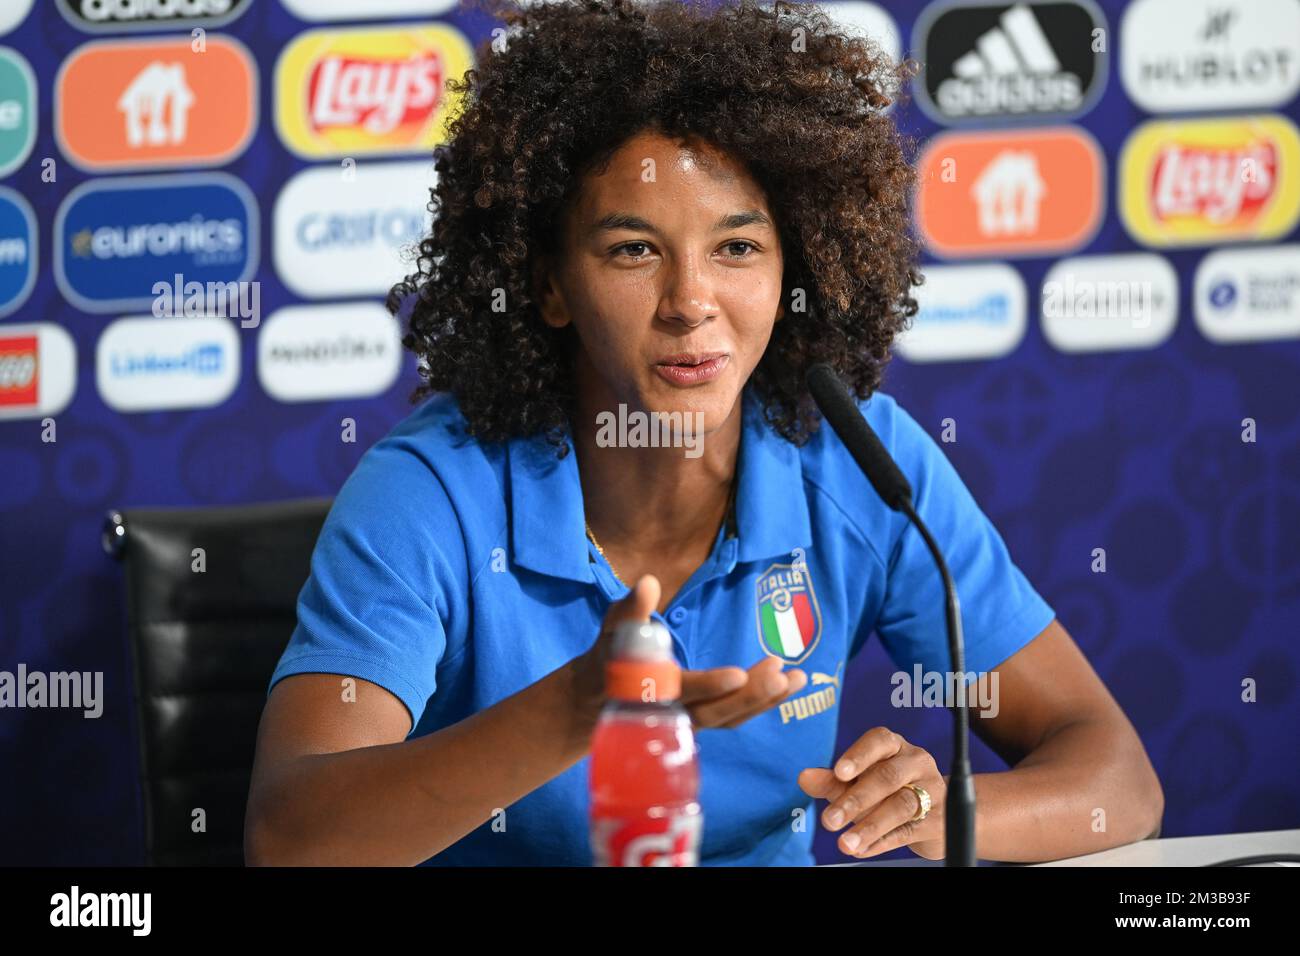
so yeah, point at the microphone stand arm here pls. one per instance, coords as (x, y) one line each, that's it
(959, 812)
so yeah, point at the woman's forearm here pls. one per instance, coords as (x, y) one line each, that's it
(399, 804)
(1078, 792)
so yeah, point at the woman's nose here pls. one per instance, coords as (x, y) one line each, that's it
(687, 296)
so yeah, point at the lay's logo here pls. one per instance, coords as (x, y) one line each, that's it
(1211, 181)
(370, 91)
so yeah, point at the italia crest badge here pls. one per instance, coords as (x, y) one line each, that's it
(789, 619)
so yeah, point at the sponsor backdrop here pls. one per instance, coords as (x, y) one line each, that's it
(1109, 343)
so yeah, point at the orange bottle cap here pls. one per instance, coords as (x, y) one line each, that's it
(643, 681)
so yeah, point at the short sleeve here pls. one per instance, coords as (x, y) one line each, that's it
(386, 578)
(1000, 610)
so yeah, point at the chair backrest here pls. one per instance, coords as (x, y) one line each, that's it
(211, 597)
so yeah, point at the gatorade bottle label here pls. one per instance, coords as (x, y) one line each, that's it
(670, 840)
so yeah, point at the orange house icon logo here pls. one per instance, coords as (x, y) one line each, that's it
(368, 91)
(1038, 192)
(149, 104)
(157, 106)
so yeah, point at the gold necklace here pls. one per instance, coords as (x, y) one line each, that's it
(731, 504)
(617, 576)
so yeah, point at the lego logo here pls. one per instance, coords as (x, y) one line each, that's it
(368, 91)
(18, 369)
(38, 370)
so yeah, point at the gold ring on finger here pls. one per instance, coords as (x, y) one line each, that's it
(923, 798)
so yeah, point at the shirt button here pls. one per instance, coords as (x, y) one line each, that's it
(677, 615)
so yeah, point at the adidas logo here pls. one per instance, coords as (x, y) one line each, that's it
(1011, 70)
(1027, 59)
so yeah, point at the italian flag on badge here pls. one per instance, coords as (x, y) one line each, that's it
(789, 621)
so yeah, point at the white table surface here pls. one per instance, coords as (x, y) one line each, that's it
(1172, 851)
(1191, 851)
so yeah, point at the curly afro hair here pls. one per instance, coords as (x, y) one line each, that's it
(779, 87)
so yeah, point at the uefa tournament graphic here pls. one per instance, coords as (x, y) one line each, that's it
(951, 519)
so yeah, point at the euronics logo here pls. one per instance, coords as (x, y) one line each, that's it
(115, 238)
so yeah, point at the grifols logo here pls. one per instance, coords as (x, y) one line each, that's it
(368, 91)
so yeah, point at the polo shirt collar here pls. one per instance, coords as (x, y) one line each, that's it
(547, 526)
(548, 531)
(771, 506)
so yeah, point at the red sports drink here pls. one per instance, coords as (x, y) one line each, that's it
(644, 776)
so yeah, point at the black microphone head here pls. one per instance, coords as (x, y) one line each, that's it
(841, 412)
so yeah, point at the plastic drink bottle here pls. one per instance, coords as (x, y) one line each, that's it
(644, 775)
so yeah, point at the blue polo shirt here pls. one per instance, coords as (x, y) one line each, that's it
(455, 573)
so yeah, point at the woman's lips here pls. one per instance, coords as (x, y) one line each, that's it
(701, 368)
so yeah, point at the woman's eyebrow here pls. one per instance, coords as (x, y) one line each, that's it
(626, 221)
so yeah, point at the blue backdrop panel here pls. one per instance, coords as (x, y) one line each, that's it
(1136, 451)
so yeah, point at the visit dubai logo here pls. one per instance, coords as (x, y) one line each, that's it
(789, 619)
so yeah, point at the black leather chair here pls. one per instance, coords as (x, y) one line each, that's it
(203, 645)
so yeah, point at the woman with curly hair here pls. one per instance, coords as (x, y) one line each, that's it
(652, 211)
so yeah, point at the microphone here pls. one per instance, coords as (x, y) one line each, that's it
(841, 412)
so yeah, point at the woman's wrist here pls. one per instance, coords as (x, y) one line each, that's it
(582, 695)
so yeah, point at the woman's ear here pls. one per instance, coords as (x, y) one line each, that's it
(547, 296)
